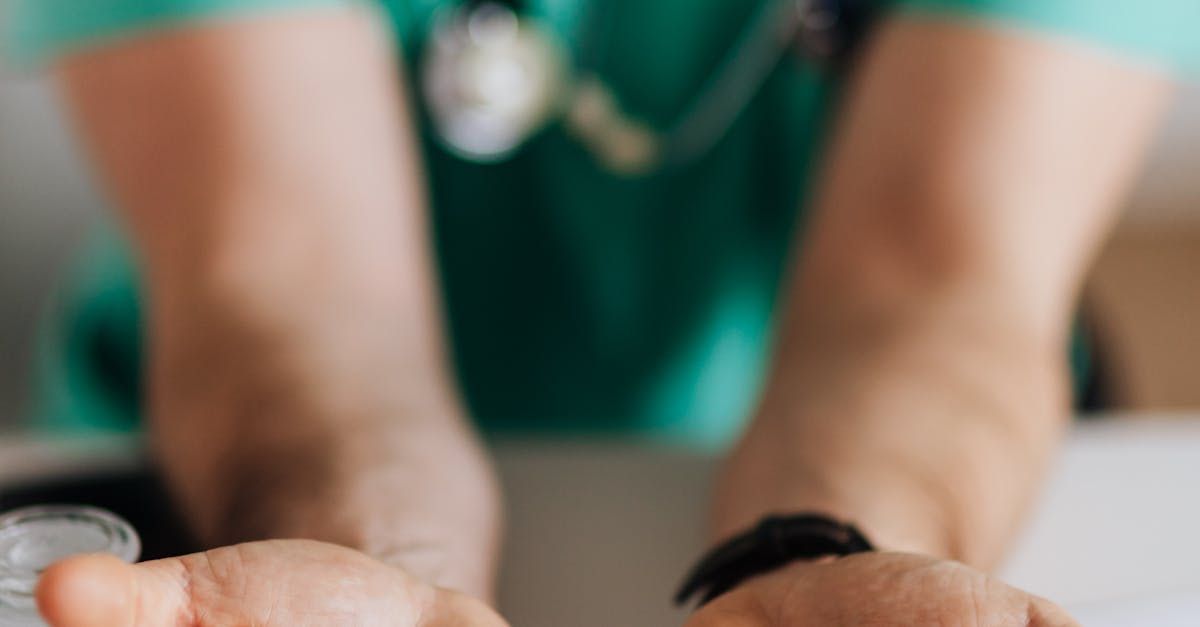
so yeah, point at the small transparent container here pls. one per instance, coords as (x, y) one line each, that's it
(33, 538)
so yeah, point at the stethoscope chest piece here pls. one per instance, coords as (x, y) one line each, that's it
(490, 80)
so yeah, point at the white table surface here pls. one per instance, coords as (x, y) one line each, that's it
(599, 533)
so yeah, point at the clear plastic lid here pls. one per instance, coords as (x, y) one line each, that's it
(33, 538)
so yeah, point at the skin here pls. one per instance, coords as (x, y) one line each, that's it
(298, 383)
(277, 206)
(226, 586)
(886, 589)
(920, 387)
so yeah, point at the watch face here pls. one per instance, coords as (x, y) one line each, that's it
(491, 79)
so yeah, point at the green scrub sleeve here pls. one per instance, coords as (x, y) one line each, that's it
(1165, 33)
(39, 30)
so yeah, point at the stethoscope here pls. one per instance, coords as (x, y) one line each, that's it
(492, 77)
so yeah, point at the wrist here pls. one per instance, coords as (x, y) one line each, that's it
(775, 542)
(417, 494)
(904, 524)
(890, 500)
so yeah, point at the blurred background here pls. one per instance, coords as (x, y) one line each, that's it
(1143, 297)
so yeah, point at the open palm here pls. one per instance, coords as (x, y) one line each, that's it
(275, 583)
(879, 590)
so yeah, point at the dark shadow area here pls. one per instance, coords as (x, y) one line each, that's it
(139, 497)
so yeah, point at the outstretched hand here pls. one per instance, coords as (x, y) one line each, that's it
(273, 583)
(881, 590)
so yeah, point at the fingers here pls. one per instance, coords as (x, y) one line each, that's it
(103, 591)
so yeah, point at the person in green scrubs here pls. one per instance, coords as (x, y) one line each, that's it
(863, 286)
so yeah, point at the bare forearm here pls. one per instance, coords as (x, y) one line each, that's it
(928, 428)
(298, 381)
(308, 395)
(357, 448)
(919, 385)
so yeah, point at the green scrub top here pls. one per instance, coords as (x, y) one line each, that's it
(578, 299)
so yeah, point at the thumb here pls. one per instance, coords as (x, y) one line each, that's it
(103, 591)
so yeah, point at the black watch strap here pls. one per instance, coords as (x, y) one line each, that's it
(774, 542)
